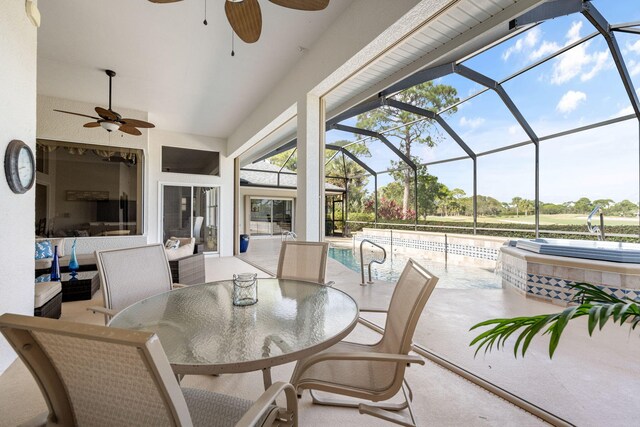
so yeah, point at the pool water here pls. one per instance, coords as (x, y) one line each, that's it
(453, 277)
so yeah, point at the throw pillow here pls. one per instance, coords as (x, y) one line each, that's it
(44, 250)
(172, 244)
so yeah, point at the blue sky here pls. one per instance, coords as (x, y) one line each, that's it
(580, 87)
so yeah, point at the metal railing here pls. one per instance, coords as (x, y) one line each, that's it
(377, 261)
(469, 230)
(594, 229)
(285, 236)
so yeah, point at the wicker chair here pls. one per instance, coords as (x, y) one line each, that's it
(130, 275)
(303, 261)
(92, 375)
(374, 372)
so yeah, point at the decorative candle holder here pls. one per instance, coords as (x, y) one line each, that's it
(245, 289)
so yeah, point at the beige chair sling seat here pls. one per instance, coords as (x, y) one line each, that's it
(130, 275)
(374, 372)
(93, 375)
(305, 261)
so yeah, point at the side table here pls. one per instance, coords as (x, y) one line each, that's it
(82, 287)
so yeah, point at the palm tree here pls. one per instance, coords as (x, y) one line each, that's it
(591, 301)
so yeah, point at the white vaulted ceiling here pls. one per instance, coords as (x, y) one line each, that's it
(167, 62)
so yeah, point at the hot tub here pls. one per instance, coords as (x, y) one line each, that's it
(586, 249)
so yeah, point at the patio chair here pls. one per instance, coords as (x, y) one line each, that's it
(95, 375)
(303, 261)
(373, 372)
(130, 275)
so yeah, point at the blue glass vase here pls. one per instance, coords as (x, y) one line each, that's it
(55, 266)
(73, 262)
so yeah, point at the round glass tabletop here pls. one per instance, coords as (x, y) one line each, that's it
(201, 331)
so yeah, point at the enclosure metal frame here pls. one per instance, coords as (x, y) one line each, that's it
(543, 12)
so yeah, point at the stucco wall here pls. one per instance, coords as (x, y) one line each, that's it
(18, 42)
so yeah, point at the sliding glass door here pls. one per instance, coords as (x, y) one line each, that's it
(271, 217)
(191, 211)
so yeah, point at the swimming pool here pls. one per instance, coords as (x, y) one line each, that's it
(453, 277)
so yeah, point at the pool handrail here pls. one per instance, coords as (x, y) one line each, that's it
(594, 229)
(377, 261)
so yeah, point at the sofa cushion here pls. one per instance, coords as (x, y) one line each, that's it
(59, 242)
(44, 249)
(172, 243)
(45, 291)
(44, 263)
(179, 252)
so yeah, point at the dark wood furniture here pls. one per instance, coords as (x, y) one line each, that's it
(82, 287)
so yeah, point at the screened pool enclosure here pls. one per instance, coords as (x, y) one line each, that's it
(526, 136)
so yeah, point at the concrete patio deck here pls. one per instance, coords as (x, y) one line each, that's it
(591, 381)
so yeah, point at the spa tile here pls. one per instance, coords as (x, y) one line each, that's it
(546, 270)
(611, 279)
(561, 272)
(592, 276)
(631, 281)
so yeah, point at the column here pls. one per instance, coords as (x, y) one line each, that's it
(310, 194)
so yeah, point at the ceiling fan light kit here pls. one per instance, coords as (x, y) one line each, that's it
(110, 126)
(110, 120)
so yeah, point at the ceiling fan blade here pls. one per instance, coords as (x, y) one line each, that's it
(302, 4)
(245, 18)
(107, 114)
(92, 125)
(137, 123)
(77, 114)
(164, 1)
(130, 130)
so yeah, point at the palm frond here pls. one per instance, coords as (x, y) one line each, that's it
(592, 302)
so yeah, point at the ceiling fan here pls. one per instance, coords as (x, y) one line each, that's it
(110, 120)
(245, 16)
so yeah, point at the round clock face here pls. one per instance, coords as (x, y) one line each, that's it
(19, 167)
(25, 167)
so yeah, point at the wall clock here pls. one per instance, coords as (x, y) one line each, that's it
(19, 166)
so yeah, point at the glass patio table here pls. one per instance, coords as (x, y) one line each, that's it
(202, 332)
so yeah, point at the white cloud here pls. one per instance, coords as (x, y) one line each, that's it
(514, 129)
(634, 68)
(528, 41)
(625, 111)
(544, 49)
(601, 60)
(578, 61)
(574, 32)
(634, 47)
(471, 123)
(570, 64)
(570, 101)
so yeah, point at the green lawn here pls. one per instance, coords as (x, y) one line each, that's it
(562, 219)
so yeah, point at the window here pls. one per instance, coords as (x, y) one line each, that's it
(183, 160)
(271, 217)
(87, 190)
